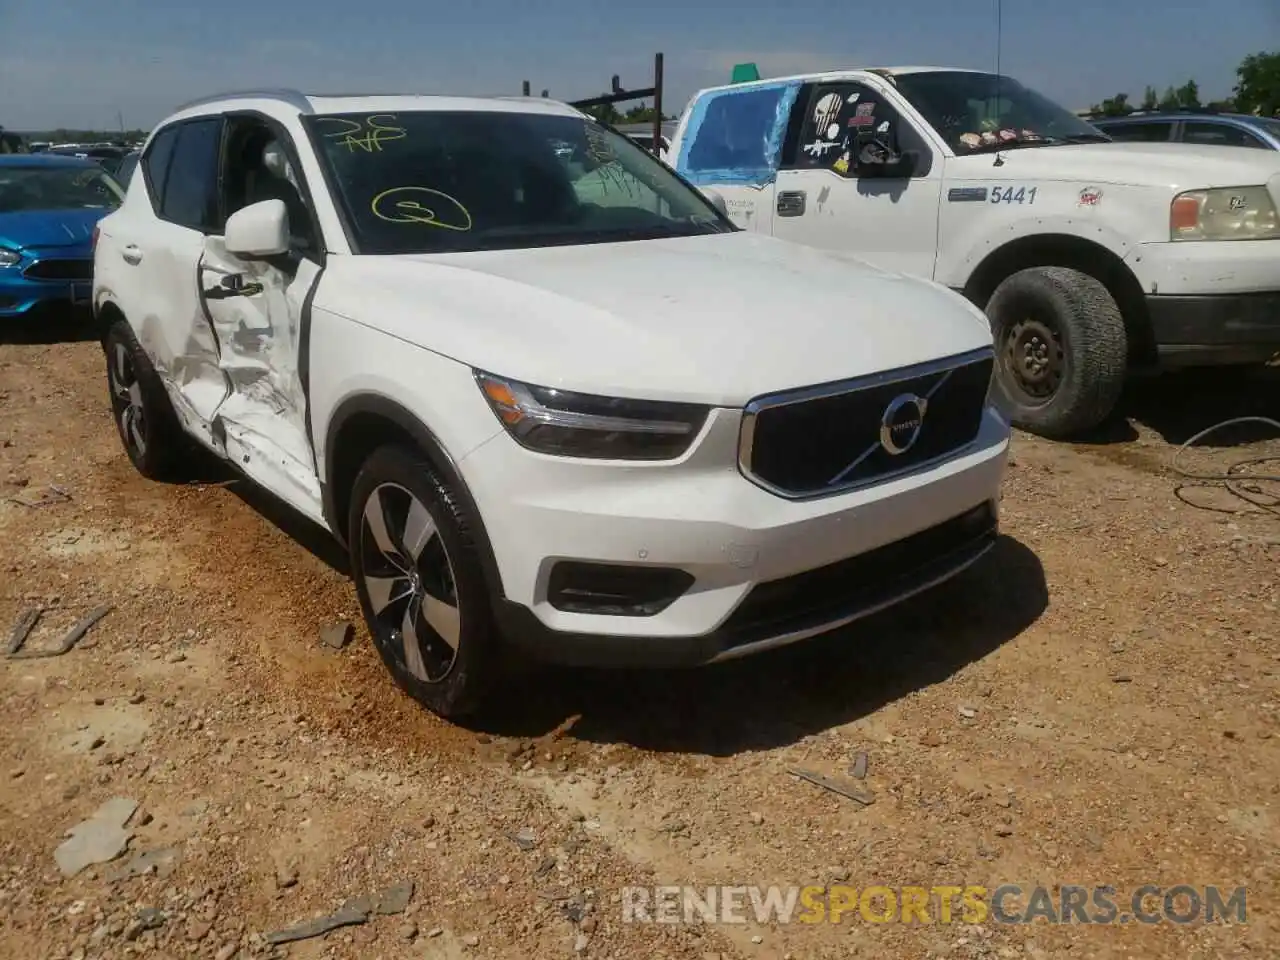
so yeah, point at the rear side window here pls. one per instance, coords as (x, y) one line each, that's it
(156, 163)
(124, 173)
(1156, 132)
(1222, 134)
(190, 196)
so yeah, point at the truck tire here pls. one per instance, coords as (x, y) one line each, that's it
(1061, 350)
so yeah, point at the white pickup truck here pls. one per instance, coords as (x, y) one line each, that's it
(1092, 259)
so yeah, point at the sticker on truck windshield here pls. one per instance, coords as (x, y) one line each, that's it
(1013, 195)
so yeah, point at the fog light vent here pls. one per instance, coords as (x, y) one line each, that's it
(614, 589)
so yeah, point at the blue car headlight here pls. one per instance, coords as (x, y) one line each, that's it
(9, 258)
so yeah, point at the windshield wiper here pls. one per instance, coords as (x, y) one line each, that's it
(1010, 145)
(1083, 138)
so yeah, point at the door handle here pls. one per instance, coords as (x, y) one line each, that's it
(791, 203)
(131, 255)
(233, 285)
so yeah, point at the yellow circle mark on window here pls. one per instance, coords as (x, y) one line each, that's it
(423, 205)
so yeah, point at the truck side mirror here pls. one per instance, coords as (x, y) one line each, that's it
(879, 153)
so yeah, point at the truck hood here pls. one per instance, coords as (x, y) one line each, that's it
(49, 228)
(1177, 166)
(715, 319)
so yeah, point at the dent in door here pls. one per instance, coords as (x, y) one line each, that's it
(175, 330)
(257, 312)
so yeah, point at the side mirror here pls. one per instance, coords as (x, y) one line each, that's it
(879, 153)
(717, 200)
(259, 230)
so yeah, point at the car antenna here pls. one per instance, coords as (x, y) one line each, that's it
(999, 161)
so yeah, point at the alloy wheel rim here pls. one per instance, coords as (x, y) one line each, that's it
(126, 396)
(1035, 357)
(408, 578)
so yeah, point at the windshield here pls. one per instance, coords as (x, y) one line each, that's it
(974, 112)
(449, 181)
(57, 188)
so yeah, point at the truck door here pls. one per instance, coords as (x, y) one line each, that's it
(885, 213)
(730, 140)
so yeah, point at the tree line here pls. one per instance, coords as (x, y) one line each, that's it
(610, 114)
(64, 135)
(1257, 91)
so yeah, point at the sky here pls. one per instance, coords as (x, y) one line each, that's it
(83, 63)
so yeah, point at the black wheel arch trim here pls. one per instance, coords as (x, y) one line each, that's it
(430, 445)
(304, 365)
(1076, 253)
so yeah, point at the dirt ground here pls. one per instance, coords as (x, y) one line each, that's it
(1096, 703)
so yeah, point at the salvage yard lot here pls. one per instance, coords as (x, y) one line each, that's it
(1096, 703)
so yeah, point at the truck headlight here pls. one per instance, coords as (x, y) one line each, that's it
(9, 257)
(564, 424)
(1224, 213)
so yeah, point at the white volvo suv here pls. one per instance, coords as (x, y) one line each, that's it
(548, 398)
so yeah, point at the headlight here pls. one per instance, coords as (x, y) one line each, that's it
(9, 257)
(565, 424)
(1225, 213)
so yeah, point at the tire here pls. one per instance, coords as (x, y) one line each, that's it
(1061, 350)
(145, 422)
(422, 568)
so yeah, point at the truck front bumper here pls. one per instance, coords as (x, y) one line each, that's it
(1215, 329)
(1213, 302)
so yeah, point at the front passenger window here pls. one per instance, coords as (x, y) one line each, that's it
(840, 118)
(259, 166)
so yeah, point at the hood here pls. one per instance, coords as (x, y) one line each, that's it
(715, 319)
(1178, 166)
(49, 228)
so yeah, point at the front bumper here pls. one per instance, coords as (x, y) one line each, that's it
(20, 297)
(1210, 303)
(1216, 328)
(744, 548)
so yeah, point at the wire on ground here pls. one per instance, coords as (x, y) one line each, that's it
(1236, 478)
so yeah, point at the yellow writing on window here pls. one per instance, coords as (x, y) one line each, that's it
(421, 205)
(367, 135)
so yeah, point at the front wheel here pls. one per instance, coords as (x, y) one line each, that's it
(420, 582)
(1061, 350)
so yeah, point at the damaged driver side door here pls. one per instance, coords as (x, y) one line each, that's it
(256, 303)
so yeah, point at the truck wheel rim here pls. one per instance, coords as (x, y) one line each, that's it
(409, 581)
(126, 401)
(1035, 359)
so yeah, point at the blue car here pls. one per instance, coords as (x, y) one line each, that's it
(48, 208)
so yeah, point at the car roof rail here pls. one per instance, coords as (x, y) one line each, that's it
(1158, 112)
(292, 97)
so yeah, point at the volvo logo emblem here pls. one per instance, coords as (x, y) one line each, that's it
(901, 423)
